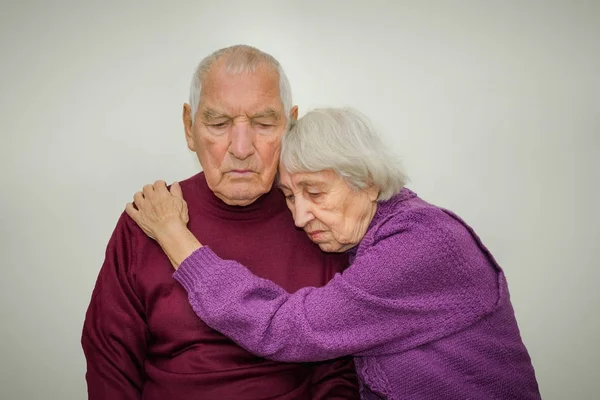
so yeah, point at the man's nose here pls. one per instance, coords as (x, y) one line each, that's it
(303, 213)
(242, 141)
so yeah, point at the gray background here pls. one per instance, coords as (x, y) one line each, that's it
(492, 105)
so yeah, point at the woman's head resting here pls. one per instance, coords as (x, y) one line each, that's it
(334, 168)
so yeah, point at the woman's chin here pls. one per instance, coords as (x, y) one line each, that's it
(326, 243)
(330, 248)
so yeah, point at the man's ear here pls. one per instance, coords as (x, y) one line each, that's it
(188, 126)
(294, 113)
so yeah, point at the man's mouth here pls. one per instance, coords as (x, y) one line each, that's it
(241, 172)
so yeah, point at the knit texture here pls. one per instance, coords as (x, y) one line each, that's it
(423, 308)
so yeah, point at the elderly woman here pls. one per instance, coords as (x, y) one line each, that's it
(423, 307)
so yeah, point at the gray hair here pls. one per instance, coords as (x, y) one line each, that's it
(240, 58)
(342, 140)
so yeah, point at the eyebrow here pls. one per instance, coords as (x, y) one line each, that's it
(309, 182)
(304, 183)
(268, 113)
(210, 114)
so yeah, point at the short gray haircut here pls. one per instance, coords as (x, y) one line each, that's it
(344, 141)
(240, 58)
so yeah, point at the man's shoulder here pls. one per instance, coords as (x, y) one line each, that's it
(193, 182)
(194, 179)
(126, 225)
(128, 229)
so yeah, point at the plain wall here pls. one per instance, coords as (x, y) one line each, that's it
(494, 107)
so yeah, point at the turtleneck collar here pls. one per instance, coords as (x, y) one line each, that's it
(266, 205)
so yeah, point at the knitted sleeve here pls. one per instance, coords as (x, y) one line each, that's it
(423, 277)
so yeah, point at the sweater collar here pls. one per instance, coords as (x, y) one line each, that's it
(266, 205)
(384, 210)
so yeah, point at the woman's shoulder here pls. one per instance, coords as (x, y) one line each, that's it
(407, 221)
(407, 211)
(417, 240)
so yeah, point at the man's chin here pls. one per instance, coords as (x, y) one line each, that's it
(240, 197)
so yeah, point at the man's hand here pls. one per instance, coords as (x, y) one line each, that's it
(158, 211)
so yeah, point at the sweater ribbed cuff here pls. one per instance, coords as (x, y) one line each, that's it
(189, 273)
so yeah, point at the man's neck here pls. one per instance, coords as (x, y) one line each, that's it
(202, 200)
(237, 202)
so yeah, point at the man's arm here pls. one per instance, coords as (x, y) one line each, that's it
(114, 333)
(335, 380)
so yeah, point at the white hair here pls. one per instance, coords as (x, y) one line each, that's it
(344, 141)
(240, 58)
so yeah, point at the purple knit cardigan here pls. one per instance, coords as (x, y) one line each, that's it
(423, 308)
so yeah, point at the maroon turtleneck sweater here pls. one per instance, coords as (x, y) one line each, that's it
(142, 340)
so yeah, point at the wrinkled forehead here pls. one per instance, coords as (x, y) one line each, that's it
(298, 180)
(241, 92)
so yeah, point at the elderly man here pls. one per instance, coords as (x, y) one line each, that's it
(141, 338)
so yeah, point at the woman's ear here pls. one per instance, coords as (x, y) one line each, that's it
(373, 192)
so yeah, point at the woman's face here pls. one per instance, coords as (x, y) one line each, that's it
(333, 214)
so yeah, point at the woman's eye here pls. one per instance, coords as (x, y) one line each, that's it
(314, 194)
(290, 198)
(263, 126)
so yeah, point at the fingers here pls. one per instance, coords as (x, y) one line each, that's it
(148, 190)
(131, 211)
(185, 216)
(176, 190)
(161, 187)
(139, 199)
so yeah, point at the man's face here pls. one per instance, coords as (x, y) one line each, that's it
(237, 132)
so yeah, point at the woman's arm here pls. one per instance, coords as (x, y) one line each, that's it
(178, 243)
(413, 286)
(408, 289)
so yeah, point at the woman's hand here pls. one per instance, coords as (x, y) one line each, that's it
(159, 210)
(163, 216)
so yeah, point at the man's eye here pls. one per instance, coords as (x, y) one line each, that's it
(262, 125)
(314, 194)
(290, 198)
(219, 125)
